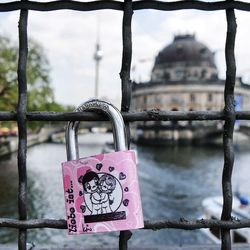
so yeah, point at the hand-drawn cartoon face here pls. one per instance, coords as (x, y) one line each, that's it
(91, 186)
(90, 182)
(107, 183)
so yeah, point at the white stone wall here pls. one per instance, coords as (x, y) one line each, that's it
(182, 72)
(186, 97)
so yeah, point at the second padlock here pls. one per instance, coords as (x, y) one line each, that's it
(102, 191)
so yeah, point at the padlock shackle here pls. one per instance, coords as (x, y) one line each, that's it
(119, 131)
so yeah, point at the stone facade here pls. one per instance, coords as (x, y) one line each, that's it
(184, 78)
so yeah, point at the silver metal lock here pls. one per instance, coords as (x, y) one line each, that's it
(119, 131)
(102, 191)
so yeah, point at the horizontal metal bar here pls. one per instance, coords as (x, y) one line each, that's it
(152, 224)
(116, 5)
(150, 115)
(196, 224)
(8, 116)
(36, 223)
(60, 5)
(191, 4)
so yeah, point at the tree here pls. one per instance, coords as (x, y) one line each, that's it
(40, 92)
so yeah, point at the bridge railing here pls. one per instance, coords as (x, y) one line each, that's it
(21, 116)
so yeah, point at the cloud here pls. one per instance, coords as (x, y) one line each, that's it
(209, 27)
(69, 39)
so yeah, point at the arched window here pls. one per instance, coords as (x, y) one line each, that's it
(192, 97)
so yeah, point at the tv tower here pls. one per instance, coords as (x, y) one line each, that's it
(97, 57)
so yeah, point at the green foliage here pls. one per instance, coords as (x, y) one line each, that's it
(8, 75)
(40, 93)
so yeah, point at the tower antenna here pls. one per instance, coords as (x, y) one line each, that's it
(97, 57)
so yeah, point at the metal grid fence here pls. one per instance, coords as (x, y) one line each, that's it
(229, 115)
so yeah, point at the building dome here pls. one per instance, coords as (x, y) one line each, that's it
(184, 59)
(185, 49)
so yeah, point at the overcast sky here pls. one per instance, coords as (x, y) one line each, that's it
(69, 39)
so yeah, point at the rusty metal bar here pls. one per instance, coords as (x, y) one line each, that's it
(116, 5)
(182, 223)
(189, 4)
(60, 5)
(126, 56)
(150, 115)
(126, 85)
(22, 126)
(230, 116)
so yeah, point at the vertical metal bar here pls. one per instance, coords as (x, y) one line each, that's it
(123, 239)
(126, 55)
(229, 111)
(22, 126)
(126, 86)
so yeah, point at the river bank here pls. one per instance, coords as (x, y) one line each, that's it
(9, 144)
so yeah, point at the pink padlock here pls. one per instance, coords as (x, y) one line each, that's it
(102, 191)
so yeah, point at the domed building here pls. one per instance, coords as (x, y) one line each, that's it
(184, 78)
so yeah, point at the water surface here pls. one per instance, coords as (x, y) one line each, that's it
(173, 183)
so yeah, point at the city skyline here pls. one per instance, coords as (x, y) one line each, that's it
(69, 40)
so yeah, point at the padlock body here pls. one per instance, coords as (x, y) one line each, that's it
(102, 193)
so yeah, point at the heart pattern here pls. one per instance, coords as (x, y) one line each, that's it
(122, 176)
(98, 166)
(83, 208)
(125, 202)
(111, 169)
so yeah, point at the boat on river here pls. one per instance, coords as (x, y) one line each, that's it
(212, 207)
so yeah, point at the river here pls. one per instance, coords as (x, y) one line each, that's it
(173, 181)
